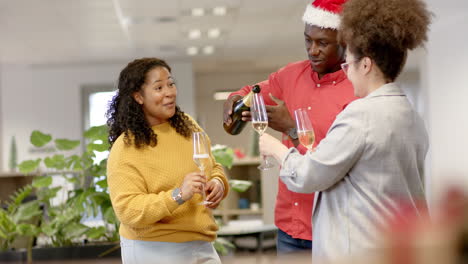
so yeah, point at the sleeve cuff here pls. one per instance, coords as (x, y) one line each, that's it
(170, 202)
(288, 169)
(220, 181)
(225, 184)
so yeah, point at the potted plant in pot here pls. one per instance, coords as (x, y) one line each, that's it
(62, 224)
(18, 225)
(225, 156)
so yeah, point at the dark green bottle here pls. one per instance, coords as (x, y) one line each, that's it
(238, 107)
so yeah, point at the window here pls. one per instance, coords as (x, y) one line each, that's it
(98, 105)
(95, 102)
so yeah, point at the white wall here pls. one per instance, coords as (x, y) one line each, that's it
(47, 98)
(445, 83)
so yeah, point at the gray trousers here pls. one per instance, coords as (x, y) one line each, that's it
(149, 252)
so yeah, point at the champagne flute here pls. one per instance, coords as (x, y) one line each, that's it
(201, 156)
(260, 123)
(305, 131)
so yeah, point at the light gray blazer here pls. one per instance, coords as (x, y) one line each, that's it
(371, 159)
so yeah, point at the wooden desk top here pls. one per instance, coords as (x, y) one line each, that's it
(244, 230)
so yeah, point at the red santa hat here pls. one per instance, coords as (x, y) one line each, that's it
(324, 13)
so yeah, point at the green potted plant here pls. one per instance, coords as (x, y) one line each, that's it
(61, 224)
(225, 156)
(18, 225)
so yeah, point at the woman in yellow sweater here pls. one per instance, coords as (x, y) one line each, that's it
(155, 186)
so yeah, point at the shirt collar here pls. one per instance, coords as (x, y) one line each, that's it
(336, 77)
(389, 89)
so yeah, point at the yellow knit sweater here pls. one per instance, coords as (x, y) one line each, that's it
(141, 182)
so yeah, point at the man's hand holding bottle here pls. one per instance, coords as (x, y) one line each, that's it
(279, 118)
(227, 109)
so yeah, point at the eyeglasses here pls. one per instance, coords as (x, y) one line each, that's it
(345, 66)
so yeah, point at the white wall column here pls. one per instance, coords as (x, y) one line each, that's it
(445, 81)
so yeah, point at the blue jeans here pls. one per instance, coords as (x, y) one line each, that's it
(287, 244)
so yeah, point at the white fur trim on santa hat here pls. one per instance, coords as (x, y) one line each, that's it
(321, 18)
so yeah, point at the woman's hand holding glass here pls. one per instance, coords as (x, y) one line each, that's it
(215, 192)
(193, 183)
(201, 156)
(270, 146)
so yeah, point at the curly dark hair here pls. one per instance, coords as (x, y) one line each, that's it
(384, 30)
(125, 115)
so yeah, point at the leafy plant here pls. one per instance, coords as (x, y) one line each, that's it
(223, 245)
(225, 156)
(19, 219)
(240, 185)
(62, 223)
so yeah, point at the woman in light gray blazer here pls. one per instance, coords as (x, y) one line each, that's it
(372, 158)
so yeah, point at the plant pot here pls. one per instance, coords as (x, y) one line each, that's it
(76, 252)
(63, 253)
(13, 256)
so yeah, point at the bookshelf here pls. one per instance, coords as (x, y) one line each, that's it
(258, 200)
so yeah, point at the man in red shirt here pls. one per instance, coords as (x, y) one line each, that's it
(316, 84)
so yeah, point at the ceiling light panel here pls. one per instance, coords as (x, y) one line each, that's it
(208, 50)
(186, 23)
(130, 21)
(222, 95)
(192, 51)
(214, 33)
(219, 11)
(194, 34)
(198, 12)
(209, 4)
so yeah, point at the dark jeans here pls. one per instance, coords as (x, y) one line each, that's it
(287, 244)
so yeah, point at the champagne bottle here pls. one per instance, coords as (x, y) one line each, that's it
(238, 107)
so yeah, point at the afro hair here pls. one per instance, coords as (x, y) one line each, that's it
(385, 30)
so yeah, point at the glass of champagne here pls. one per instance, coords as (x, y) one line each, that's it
(305, 131)
(201, 156)
(260, 123)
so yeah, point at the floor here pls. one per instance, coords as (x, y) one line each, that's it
(246, 257)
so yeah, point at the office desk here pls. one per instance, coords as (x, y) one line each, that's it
(257, 231)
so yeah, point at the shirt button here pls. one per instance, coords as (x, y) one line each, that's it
(296, 204)
(318, 84)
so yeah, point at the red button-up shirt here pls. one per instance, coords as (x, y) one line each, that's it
(299, 87)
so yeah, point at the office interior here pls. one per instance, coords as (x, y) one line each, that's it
(55, 54)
